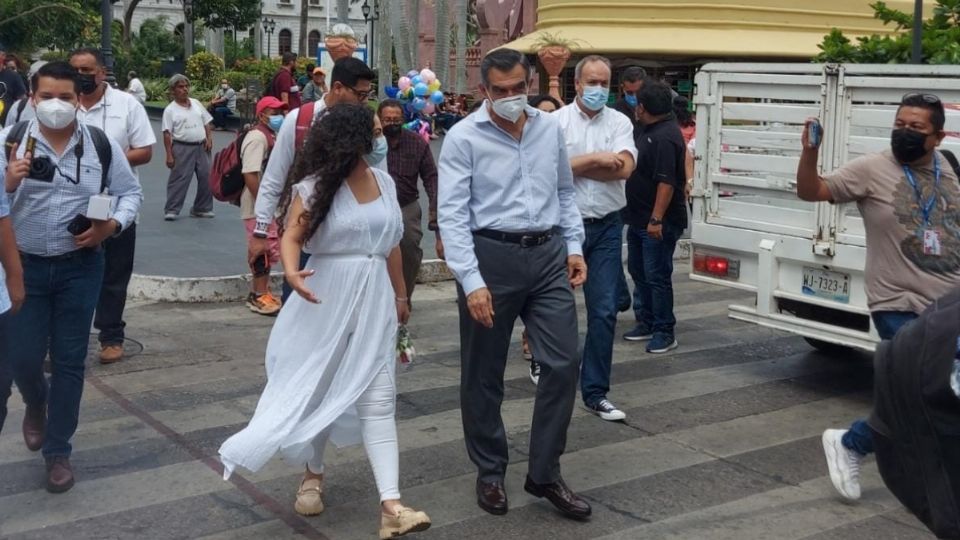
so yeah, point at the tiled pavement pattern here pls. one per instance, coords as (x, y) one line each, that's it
(721, 441)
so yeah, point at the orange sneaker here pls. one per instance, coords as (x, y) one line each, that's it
(111, 354)
(264, 304)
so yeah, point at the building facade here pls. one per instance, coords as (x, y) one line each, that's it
(285, 35)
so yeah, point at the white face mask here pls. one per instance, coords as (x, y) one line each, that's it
(510, 108)
(56, 113)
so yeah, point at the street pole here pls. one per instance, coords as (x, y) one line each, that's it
(917, 56)
(187, 29)
(106, 32)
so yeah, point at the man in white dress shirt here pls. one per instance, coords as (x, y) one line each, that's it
(602, 155)
(513, 235)
(125, 120)
(351, 82)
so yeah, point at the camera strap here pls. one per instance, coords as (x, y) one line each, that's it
(101, 143)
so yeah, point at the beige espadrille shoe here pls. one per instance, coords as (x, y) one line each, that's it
(407, 520)
(309, 497)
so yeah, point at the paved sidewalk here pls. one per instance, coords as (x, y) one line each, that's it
(722, 440)
(190, 247)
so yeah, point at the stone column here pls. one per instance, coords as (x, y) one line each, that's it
(553, 58)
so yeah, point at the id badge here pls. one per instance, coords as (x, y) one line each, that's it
(931, 242)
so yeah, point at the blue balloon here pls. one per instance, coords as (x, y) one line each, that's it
(421, 90)
(392, 91)
(437, 97)
(412, 73)
(416, 80)
(419, 103)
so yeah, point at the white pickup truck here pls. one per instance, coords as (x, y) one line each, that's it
(750, 231)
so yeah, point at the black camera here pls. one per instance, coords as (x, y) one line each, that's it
(42, 169)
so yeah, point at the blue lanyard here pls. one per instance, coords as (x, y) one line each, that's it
(926, 208)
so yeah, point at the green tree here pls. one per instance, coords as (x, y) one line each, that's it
(153, 44)
(940, 39)
(26, 25)
(227, 13)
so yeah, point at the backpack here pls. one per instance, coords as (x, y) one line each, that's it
(952, 159)
(916, 417)
(101, 142)
(226, 171)
(304, 122)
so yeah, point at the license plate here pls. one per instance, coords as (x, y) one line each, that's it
(826, 284)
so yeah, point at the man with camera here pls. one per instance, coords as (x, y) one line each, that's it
(70, 189)
(125, 120)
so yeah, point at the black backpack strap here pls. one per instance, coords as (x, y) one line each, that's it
(104, 152)
(14, 136)
(953, 161)
(21, 105)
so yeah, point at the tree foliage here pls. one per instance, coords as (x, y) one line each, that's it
(227, 13)
(940, 39)
(26, 25)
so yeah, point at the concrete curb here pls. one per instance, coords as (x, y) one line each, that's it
(234, 288)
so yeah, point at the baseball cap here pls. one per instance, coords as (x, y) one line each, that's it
(270, 102)
(319, 70)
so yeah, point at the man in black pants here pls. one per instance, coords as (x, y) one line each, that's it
(125, 120)
(509, 220)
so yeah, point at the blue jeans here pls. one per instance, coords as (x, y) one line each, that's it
(650, 262)
(220, 115)
(858, 438)
(601, 250)
(62, 294)
(286, 291)
(6, 377)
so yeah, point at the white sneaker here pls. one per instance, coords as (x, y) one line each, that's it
(844, 464)
(606, 410)
(169, 216)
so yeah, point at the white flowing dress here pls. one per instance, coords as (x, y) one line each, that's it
(321, 357)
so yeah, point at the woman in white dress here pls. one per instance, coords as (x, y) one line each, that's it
(331, 357)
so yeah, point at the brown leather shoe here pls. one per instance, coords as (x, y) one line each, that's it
(34, 426)
(111, 353)
(492, 497)
(59, 474)
(565, 500)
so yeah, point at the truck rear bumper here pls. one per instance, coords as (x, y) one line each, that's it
(805, 328)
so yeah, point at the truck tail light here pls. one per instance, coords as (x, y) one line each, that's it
(716, 265)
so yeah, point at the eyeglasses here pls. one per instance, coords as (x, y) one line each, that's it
(360, 94)
(928, 98)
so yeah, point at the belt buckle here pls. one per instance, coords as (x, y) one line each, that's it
(528, 241)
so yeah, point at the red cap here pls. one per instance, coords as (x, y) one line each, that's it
(270, 102)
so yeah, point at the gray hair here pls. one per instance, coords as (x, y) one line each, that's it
(589, 60)
(503, 60)
(177, 79)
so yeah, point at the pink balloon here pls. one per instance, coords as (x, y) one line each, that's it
(403, 83)
(429, 108)
(428, 76)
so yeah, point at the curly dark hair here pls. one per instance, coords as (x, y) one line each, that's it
(337, 140)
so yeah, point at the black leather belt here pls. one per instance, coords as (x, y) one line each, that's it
(62, 257)
(186, 143)
(525, 239)
(605, 219)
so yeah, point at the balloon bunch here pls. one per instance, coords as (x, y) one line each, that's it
(419, 89)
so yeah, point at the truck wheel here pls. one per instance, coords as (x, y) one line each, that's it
(830, 349)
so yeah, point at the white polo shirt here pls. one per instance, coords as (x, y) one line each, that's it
(122, 117)
(608, 131)
(186, 124)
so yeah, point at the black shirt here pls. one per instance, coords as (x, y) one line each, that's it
(660, 159)
(11, 89)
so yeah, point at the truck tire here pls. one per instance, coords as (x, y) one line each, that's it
(830, 349)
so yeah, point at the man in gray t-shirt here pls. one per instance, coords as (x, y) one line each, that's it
(223, 104)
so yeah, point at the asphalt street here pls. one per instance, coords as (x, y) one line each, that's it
(721, 440)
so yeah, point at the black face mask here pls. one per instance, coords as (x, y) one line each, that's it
(907, 145)
(392, 130)
(88, 83)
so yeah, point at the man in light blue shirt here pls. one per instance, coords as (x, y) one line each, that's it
(513, 234)
(11, 297)
(66, 200)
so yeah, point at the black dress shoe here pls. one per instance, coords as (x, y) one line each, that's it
(492, 497)
(565, 500)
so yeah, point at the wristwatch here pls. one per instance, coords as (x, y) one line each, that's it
(655, 221)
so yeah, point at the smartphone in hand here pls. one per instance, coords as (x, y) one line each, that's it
(814, 134)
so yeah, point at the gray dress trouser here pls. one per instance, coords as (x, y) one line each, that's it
(532, 283)
(189, 159)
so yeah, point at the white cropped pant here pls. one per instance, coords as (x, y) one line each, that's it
(376, 409)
